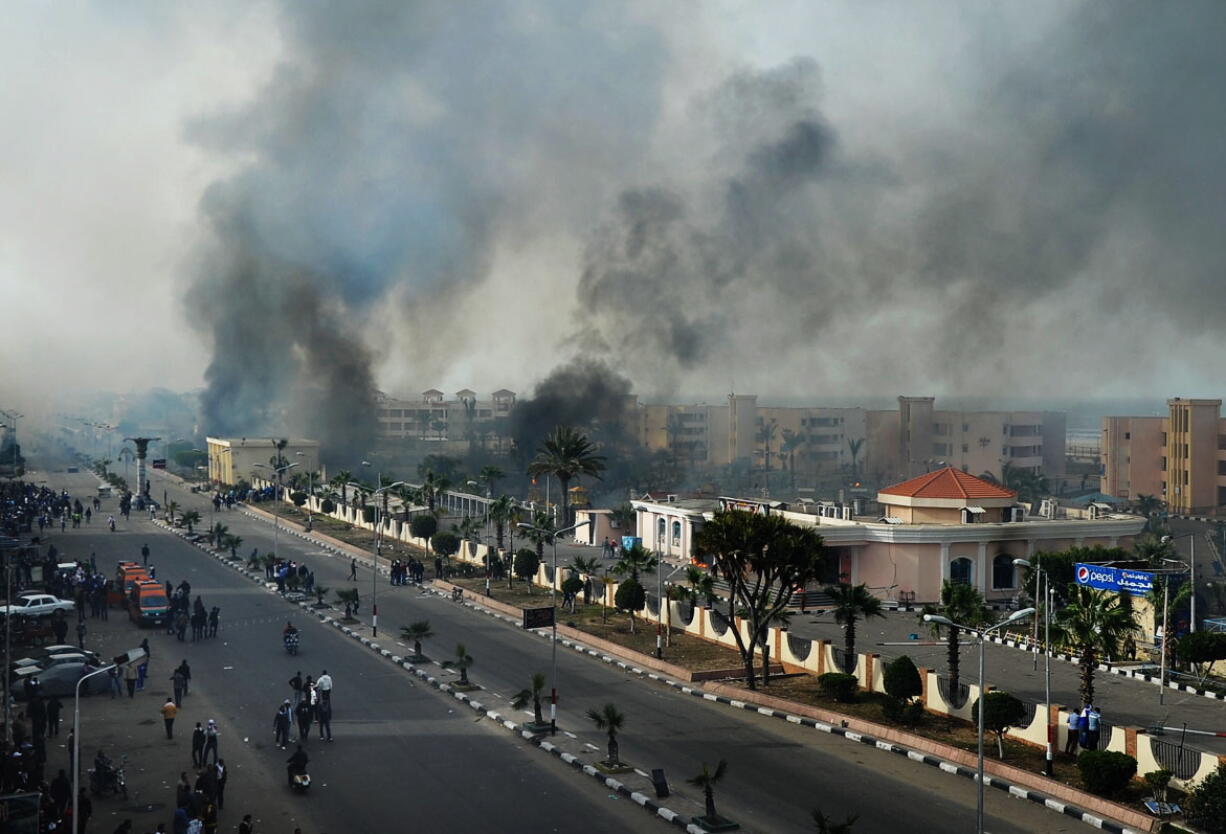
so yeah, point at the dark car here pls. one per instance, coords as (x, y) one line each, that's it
(59, 681)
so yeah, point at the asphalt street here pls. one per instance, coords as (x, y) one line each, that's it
(778, 772)
(404, 755)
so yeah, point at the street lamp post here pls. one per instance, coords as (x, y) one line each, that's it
(660, 595)
(276, 519)
(132, 656)
(1166, 624)
(1192, 578)
(8, 547)
(1048, 596)
(374, 573)
(553, 596)
(983, 633)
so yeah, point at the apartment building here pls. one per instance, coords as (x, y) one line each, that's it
(1180, 458)
(435, 417)
(919, 438)
(232, 459)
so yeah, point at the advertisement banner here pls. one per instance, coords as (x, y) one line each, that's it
(1125, 580)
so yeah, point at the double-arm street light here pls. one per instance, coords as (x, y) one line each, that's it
(374, 574)
(1192, 578)
(1048, 595)
(126, 659)
(983, 633)
(552, 536)
(276, 519)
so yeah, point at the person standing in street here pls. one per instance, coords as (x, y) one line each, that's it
(323, 713)
(54, 706)
(324, 687)
(144, 554)
(353, 570)
(281, 725)
(169, 711)
(130, 675)
(295, 685)
(223, 773)
(180, 686)
(211, 737)
(305, 714)
(198, 745)
(187, 677)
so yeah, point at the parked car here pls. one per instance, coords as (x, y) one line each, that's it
(37, 605)
(48, 661)
(59, 681)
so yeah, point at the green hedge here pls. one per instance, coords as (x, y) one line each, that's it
(841, 687)
(1106, 772)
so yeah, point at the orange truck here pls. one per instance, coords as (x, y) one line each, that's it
(147, 603)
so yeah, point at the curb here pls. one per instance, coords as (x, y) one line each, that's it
(948, 767)
(640, 799)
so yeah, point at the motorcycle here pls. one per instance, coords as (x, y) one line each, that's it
(300, 782)
(291, 642)
(109, 780)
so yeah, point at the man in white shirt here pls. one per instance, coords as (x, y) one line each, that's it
(324, 686)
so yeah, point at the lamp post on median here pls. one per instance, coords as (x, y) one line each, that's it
(1192, 578)
(1048, 597)
(276, 519)
(983, 633)
(1166, 622)
(132, 656)
(374, 574)
(553, 595)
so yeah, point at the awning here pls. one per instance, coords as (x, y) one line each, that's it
(976, 510)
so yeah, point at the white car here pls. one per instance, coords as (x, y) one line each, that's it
(37, 605)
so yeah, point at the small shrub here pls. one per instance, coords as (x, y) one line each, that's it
(445, 544)
(1001, 712)
(368, 515)
(841, 687)
(423, 526)
(1206, 804)
(299, 498)
(1158, 781)
(902, 679)
(327, 506)
(1106, 772)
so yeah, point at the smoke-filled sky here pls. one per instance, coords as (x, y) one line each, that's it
(291, 202)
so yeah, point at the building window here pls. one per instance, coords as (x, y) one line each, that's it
(1128, 435)
(965, 448)
(661, 526)
(676, 534)
(960, 570)
(1003, 572)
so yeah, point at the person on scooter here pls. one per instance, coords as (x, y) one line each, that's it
(296, 764)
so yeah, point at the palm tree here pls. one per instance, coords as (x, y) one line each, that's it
(217, 535)
(1093, 624)
(636, 560)
(611, 721)
(698, 585)
(540, 532)
(341, 481)
(624, 516)
(502, 511)
(432, 488)
(232, 543)
(321, 591)
(766, 436)
(462, 661)
(825, 825)
(190, 518)
(1153, 550)
(851, 604)
(853, 446)
(707, 779)
(490, 476)
(417, 632)
(1148, 506)
(172, 509)
(349, 598)
(963, 604)
(791, 442)
(533, 696)
(588, 565)
(566, 454)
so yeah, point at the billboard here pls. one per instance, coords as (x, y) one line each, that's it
(1126, 580)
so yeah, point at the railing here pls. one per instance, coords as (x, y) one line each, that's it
(956, 699)
(800, 646)
(719, 623)
(1175, 757)
(845, 661)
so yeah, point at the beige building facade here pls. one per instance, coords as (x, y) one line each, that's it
(1179, 458)
(232, 459)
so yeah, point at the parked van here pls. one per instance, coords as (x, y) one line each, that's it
(147, 603)
(126, 575)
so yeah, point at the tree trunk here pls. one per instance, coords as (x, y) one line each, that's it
(564, 483)
(613, 760)
(849, 645)
(1000, 745)
(1087, 676)
(766, 659)
(709, 795)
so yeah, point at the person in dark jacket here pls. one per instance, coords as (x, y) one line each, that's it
(198, 745)
(53, 717)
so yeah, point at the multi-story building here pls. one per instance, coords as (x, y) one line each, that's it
(918, 438)
(1179, 458)
(434, 417)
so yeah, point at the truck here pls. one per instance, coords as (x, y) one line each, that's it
(147, 603)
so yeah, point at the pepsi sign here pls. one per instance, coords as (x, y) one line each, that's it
(1126, 580)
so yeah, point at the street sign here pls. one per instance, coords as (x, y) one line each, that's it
(1135, 582)
(538, 617)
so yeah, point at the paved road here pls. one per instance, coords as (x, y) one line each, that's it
(404, 754)
(778, 772)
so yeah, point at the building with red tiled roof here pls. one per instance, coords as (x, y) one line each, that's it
(949, 496)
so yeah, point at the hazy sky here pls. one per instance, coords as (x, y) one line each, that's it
(808, 199)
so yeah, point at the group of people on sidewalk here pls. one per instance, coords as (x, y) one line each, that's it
(311, 703)
(1084, 729)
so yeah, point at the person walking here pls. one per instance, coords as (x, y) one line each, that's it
(187, 677)
(183, 790)
(281, 724)
(214, 621)
(324, 687)
(144, 554)
(130, 674)
(305, 714)
(246, 826)
(295, 685)
(54, 706)
(353, 570)
(169, 711)
(323, 714)
(211, 737)
(198, 745)
(180, 686)
(60, 791)
(223, 773)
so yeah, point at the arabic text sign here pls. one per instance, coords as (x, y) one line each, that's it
(1135, 582)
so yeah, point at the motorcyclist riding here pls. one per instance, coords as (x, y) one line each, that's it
(289, 636)
(296, 764)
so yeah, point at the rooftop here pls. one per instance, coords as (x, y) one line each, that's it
(948, 483)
